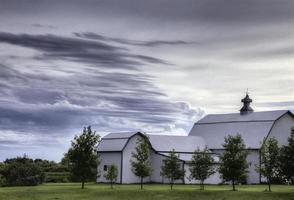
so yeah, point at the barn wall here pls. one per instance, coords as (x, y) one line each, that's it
(157, 160)
(109, 158)
(128, 175)
(253, 161)
(213, 179)
(282, 129)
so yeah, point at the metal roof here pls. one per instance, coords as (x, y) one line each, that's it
(166, 143)
(112, 144)
(237, 117)
(160, 143)
(119, 135)
(115, 141)
(253, 127)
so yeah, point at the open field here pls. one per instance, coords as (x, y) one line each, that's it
(72, 191)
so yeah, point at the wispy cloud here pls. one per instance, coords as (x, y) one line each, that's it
(79, 50)
(151, 43)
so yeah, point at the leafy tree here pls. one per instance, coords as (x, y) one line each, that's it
(111, 175)
(201, 166)
(286, 159)
(269, 157)
(141, 159)
(233, 163)
(172, 169)
(21, 171)
(82, 156)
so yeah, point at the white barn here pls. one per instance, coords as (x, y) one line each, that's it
(254, 127)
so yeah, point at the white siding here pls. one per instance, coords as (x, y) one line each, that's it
(213, 179)
(282, 129)
(109, 158)
(156, 160)
(128, 175)
(253, 161)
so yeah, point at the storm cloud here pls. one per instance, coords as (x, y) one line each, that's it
(155, 66)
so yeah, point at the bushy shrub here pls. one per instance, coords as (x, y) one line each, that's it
(21, 171)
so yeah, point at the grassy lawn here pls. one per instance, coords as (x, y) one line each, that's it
(72, 191)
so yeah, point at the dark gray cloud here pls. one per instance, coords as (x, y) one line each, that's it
(153, 43)
(44, 106)
(43, 26)
(79, 50)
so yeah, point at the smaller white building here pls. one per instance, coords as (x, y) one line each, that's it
(117, 148)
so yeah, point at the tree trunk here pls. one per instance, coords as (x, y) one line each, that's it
(111, 184)
(269, 184)
(201, 185)
(83, 184)
(171, 183)
(141, 183)
(234, 189)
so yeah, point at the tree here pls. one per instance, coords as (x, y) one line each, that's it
(269, 157)
(21, 171)
(141, 166)
(233, 163)
(111, 175)
(171, 168)
(82, 156)
(201, 166)
(286, 159)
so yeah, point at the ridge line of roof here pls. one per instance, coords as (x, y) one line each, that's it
(224, 122)
(253, 112)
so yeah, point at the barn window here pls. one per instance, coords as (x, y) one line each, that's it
(105, 168)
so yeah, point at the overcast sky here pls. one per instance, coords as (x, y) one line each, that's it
(156, 66)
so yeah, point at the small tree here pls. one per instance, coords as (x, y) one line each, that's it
(111, 175)
(201, 166)
(269, 157)
(82, 155)
(286, 159)
(233, 163)
(141, 166)
(171, 168)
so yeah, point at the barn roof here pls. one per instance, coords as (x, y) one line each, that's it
(114, 141)
(160, 143)
(165, 143)
(253, 127)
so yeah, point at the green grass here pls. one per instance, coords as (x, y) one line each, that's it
(72, 191)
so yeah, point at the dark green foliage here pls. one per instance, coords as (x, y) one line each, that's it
(286, 159)
(57, 177)
(269, 160)
(51, 166)
(233, 163)
(82, 156)
(21, 171)
(172, 168)
(201, 166)
(140, 162)
(111, 175)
